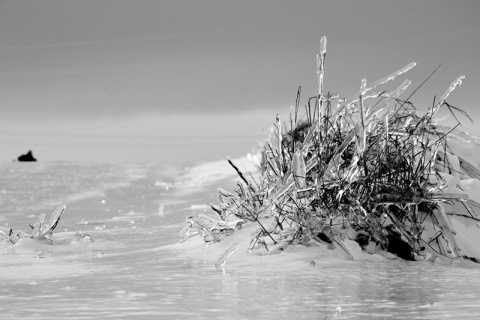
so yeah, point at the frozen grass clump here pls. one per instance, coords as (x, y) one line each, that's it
(368, 169)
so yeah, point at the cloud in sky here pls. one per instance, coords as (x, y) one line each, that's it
(112, 61)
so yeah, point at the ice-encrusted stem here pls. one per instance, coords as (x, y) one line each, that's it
(320, 72)
(454, 85)
(223, 258)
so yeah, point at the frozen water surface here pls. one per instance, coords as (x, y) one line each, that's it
(136, 268)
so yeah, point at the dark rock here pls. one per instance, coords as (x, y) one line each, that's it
(360, 236)
(397, 246)
(28, 157)
(324, 238)
(394, 244)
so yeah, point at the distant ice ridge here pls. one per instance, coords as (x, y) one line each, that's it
(212, 172)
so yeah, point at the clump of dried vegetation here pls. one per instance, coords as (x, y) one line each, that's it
(367, 168)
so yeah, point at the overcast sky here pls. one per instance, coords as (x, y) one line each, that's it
(190, 80)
